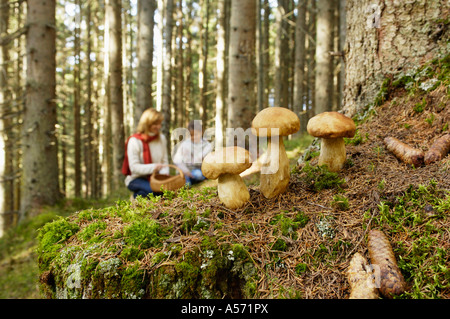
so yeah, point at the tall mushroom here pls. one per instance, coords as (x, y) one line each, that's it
(274, 123)
(332, 127)
(225, 165)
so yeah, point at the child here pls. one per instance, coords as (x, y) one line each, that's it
(191, 152)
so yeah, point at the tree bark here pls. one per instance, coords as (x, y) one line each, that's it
(113, 14)
(299, 72)
(6, 159)
(324, 71)
(242, 69)
(385, 38)
(220, 75)
(167, 69)
(203, 59)
(281, 84)
(146, 11)
(40, 163)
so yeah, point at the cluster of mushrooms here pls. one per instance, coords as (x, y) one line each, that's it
(273, 123)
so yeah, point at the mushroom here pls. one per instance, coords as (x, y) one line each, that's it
(274, 123)
(226, 164)
(332, 127)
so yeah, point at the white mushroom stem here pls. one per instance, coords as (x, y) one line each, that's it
(232, 191)
(332, 153)
(275, 169)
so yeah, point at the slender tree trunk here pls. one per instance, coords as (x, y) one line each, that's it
(6, 155)
(242, 69)
(324, 72)
(167, 76)
(146, 10)
(266, 53)
(76, 103)
(300, 56)
(88, 108)
(203, 60)
(220, 74)
(113, 14)
(281, 84)
(40, 162)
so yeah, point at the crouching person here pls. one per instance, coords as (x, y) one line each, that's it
(191, 152)
(146, 152)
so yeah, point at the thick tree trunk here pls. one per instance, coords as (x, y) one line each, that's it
(242, 68)
(40, 163)
(385, 38)
(146, 10)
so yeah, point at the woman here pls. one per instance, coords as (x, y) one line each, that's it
(146, 152)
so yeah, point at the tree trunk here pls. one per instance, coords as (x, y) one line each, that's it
(324, 71)
(146, 10)
(76, 102)
(220, 74)
(113, 14)
(385, 38)
(40, 162)
(6, 159)
(299, 72)
(281, 84)
(203, 59)
(242, 69)
(167, 69)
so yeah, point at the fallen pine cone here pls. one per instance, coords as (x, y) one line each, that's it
(404, 152)
(391, 280)
(438, 149)
(361, 281)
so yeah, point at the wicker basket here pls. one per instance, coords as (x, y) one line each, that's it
(160, 182)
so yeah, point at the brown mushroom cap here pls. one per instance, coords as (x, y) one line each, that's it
(275, 117)
(331, 125)
(228, 160)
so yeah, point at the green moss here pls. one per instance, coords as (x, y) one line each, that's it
(91, 232)
(145, 233)
(317, 178)
(52, 237)
(416, 213)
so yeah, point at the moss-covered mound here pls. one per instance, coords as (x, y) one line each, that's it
(297, 245)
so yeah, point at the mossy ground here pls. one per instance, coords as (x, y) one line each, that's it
(297, 245)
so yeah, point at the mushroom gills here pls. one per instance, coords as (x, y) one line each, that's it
(232, 191)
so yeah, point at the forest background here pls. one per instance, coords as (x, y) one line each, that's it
(76, 75)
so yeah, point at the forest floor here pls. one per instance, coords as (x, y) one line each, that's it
(302, 241)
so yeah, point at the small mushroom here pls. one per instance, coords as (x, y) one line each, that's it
(225, 165)
(274, 123)
(332, 127)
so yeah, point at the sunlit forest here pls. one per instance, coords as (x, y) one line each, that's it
(77, 78)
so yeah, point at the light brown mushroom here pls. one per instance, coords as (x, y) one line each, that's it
(226, 164)
(274, 123)
(332, 127)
